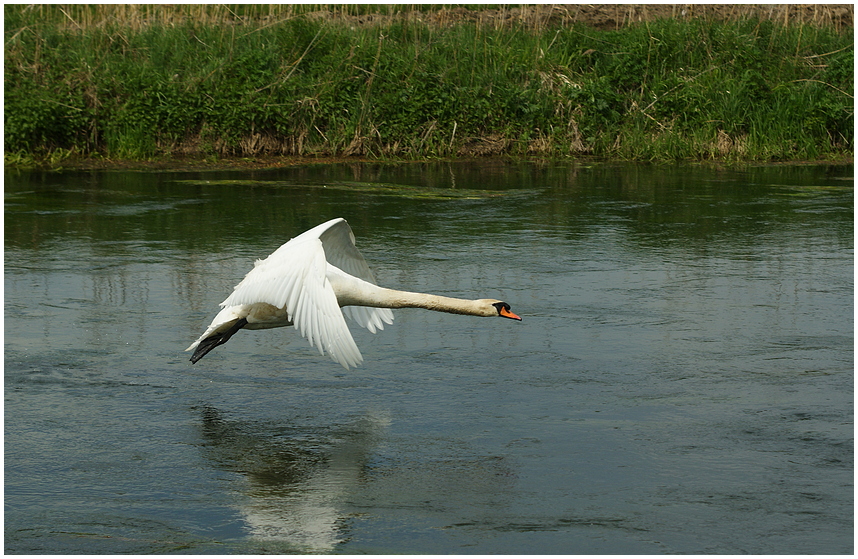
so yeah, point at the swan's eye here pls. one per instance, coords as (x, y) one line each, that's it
(504, 311)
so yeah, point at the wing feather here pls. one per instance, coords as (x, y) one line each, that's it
(340, 250)
(294, 276)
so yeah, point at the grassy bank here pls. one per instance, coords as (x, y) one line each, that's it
(283, 83)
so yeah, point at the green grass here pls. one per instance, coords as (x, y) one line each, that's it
(667, 90)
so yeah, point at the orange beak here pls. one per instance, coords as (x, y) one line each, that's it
(509, 314)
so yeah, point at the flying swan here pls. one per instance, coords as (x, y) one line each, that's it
(311, 282)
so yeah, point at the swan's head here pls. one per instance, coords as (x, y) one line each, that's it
(498, 308)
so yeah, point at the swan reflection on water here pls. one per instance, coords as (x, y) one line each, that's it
(296, 482)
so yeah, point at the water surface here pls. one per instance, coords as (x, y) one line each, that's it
(681, 381)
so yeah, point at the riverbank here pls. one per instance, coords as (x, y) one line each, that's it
(270, 162)
(87, 91)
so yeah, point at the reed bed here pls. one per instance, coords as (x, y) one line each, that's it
(415, 81)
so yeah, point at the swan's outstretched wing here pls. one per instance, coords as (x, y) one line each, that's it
(294, 276)
(340, 250)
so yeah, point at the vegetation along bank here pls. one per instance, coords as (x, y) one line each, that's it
(396, 81)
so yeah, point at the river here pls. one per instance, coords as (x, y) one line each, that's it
(681, 381)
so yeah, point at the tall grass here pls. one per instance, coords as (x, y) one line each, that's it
(242, 80)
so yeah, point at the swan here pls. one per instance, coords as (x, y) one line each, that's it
(311, 282)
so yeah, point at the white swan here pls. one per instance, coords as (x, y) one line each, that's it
(307, 280)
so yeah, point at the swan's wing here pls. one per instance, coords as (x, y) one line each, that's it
(370, 318)
(340, 250)
(294, 276)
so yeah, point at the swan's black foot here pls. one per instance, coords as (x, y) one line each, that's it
(216, 339)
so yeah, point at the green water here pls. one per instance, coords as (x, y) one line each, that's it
(681, 382)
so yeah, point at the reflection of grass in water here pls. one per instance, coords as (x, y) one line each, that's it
(371, 188)
(806, 191)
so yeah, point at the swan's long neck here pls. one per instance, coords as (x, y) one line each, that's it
(353, 291)
(393, 299)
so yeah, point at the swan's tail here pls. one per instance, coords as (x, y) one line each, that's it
(215, 340)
